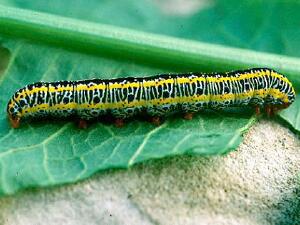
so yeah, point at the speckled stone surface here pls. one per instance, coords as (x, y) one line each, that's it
(257, 184)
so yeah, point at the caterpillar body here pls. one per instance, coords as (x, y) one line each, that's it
(156, 95)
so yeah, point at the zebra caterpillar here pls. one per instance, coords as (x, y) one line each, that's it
(157, 95)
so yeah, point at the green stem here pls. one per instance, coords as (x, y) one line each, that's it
(135, 45)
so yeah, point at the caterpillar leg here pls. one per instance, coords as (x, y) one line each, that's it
(257, 110)
(269, 110)
(155, 120)
(119, 122)
(82, 124)
(15, 123)
(275, 109)
(188, 115)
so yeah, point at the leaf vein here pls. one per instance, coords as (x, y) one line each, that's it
(176, 147)
(144, 142)
(11, 62)
(45, 163)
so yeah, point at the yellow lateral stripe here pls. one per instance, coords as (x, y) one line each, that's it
(191, 99)
(126, 85)
(83, 87)
(151, 83)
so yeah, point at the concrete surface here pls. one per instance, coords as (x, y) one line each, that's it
(257, 184)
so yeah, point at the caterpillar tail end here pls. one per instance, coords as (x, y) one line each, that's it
(14, 122)
(272, 110)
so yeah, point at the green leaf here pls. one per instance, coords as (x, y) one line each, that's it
(292, 114)
(48, 153)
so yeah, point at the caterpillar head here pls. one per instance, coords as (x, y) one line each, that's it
(14, 111)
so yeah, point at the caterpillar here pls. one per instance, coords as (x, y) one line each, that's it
(157, 95)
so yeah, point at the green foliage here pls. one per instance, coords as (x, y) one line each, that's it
(48, 153)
